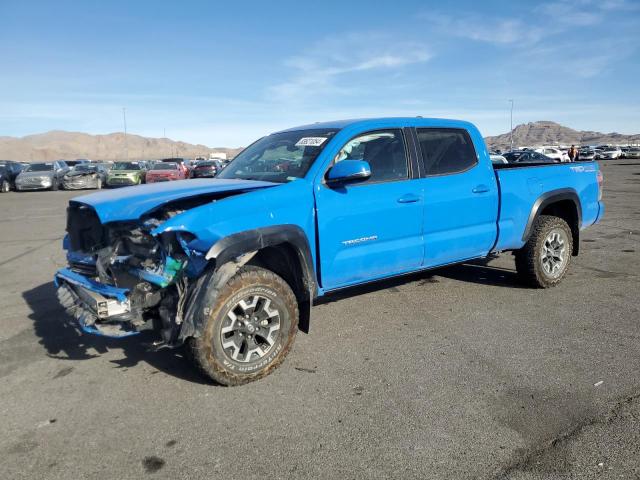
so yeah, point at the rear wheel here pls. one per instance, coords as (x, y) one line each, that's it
(54, 184)
(545, 258)
(250, 328)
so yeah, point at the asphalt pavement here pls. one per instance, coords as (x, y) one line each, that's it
(457, 373)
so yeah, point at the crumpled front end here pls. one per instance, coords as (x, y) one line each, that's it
(80, 181)
(122, 278)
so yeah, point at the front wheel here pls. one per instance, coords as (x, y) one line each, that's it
(250, 328)
(6, 186)
(544, 259)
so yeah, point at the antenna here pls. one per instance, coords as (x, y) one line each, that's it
(124, 119)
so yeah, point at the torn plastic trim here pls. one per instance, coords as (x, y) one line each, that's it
(121, 294)
(162, 277)
(88, 316)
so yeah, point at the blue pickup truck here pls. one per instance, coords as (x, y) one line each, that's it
(229, 267)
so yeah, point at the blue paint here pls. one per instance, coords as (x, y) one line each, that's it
(129, 203)
(93, 330)
(105, 290)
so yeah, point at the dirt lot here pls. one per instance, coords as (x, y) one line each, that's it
(459, 373)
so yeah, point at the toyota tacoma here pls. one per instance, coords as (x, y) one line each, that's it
(230, 267)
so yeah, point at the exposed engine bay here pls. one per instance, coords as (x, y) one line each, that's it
(122, 278)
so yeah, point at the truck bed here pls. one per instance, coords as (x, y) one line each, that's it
(521, 186)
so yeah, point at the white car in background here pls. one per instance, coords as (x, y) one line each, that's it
(608, 153)
(498, 159)
(554, 153)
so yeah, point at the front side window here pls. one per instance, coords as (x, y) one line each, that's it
(280, 157)
(446, 150)
(383, 150)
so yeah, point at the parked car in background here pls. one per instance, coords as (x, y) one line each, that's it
(164, 172)
(554, 153)
(513, 154)
(125, 174)
(9, 170)
(206, 169)
(586, 154)
(529, 156)
(182, 164)
(106, 166)
(632, 152)
(42, 176)
(498, 159)
(608, 153)
(85, 175)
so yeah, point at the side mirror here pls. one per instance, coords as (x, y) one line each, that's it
(348, 171)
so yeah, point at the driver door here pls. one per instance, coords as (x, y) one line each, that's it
(371, 229)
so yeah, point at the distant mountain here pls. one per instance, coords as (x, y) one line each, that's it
(56, 145)
(551, 133)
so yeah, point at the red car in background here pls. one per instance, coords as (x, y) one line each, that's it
(164, 172)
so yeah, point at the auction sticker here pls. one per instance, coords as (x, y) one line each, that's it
(310, 141)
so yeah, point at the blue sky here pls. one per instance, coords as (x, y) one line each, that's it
(224, 73)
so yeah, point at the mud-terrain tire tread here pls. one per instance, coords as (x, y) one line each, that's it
(527, 264)
(198, 349)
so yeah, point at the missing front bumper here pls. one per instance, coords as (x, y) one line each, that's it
(99, 309)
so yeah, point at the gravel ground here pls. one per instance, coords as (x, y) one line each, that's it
(458, 373)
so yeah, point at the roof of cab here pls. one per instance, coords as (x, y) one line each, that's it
(380, 122)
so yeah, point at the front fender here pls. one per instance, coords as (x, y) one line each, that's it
(231, 253)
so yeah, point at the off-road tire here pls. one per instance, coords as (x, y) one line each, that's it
(528, 258)
(5, 187)
(206, 351)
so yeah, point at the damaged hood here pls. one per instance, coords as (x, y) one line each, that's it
(131, 203)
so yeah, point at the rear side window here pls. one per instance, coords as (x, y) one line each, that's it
(446, 150)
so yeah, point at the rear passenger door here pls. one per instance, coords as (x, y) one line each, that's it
(371, 229)
(461, 197)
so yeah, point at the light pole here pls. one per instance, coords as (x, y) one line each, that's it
(511, 131)
(124, 119)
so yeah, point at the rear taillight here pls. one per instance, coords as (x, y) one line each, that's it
(600, 184)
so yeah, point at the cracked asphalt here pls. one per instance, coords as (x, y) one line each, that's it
(459, 373)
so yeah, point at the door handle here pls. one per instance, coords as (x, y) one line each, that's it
(409, 198)
(480, 189)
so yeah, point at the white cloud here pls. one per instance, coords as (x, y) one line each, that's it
(320, 68)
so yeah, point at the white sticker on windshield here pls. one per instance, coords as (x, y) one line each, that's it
(310, 141)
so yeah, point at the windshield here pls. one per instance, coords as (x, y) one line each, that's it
(39, 167)
(85, 168)
(165, 166)
(126, 166)
(280, 157)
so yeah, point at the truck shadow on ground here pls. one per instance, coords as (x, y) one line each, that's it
(61, 339)
(476, 271)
